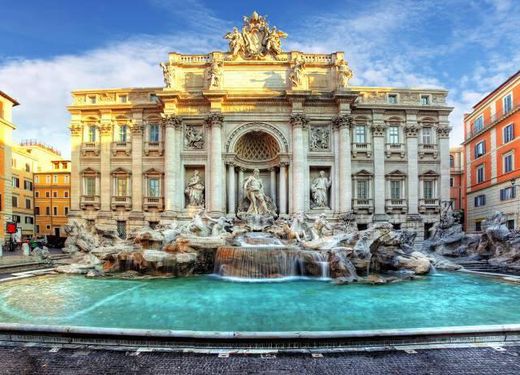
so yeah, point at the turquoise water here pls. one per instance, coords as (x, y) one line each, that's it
(207, 304)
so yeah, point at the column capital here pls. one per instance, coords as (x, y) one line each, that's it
(75, 129)
(137, 129)
(443, 131)
(342, 121)
(299, 120)
(171, 121)
(378, 128)
(214, 119)
(105, 128)
(284, 164)
(411, 130)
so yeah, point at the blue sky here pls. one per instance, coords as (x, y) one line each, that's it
(52, 47)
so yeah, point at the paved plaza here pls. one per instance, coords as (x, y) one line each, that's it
(485, 360)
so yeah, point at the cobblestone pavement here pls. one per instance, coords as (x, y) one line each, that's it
(32, 360)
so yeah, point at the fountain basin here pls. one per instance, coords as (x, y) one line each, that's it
(211, 305)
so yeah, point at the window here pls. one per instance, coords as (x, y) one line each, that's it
(508, 163)
(47, 194)
(393, 134)
(123, 98)
(47, 179)
(480, 149)
(425, 99)
(14, 201)
(480, 174)
(480, 200)
(37, 179)
(154, 133)
(360, 134)
(121, 186)
(509, 133)
(29, 220)
(37, 194)
(123, 130)
(55, 178)
(37, 228)
(451, 181)
(362, 189)
(90, 186)
(92, 134)
(478, 225)
(92, 99)
(478, 124)
(508, 103)
(28, 204)
(507, 193)
(452, 161)
(55, 211)
(67, 179)
(153, 187)
(395, 189)
(17, 219)
(27, 167)
(16, 182)
(36, 210)
(55, 194)
(428, 189)
(48, 227)
(66, 211)
(47, 211)
(27, 185)
(392, 98)
(427, 136)
(66, 194)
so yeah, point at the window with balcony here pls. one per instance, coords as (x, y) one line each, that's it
(425, 99)
(480, 174)
(480, 149)
(90, 186)
(92, 134)
(508, 103)
(509, 133)
(360, 134)
(154, 133)
(478, 125)
(507, 193)
(362, 189)
(427, 137)
(508, 162)
(480, 200)
(392, 99)
(123, 132)
(428, 186)
(395, 189)
(121, 189)
(154, 187)
(393, 135)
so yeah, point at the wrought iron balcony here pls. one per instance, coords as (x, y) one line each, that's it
(493, 119)
(153, 203)
(428, 149)
(361, 149)
(90, 149)
(121, 201)
(88, 201)
(395, 148)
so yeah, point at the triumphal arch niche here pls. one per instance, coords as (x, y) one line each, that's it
(256, 116)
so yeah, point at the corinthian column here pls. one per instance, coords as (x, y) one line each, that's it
(106, 184)
(231, 186)
(298, 122)
(170, 162)
(137, 167)
(344, 123)
(378, 134)
(214, 121)
(75, 178)
(283, 188)
(443, 133)
(411, 131)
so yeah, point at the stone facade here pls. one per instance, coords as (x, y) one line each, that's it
(289, 114)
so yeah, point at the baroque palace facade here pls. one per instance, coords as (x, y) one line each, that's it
(321, 145)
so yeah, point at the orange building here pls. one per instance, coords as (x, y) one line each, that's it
(492, 156)
(52, 198)
(6, 128)
(457, 193)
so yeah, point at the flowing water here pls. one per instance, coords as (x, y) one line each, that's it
(210, 304)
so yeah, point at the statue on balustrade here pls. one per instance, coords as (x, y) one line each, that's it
(215, 74)
(195, 190)
(319, 188)
(168, 75)
(344, 73)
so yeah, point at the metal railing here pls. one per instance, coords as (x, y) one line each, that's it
(494, 118)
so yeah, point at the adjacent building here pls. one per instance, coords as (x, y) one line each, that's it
(138, 153)
(6, 128)
(457, 191)
(492, 156)
(52, 198)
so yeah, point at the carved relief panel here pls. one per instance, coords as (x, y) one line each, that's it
(319, 138)
(194, 137)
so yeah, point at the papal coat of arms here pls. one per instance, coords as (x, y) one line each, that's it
(256, 39)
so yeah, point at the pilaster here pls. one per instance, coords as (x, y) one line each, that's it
(214, 122)
(137, 162)
(106, 183)
(298, 122)
(344, 123)
(378, 136)
(411, 131)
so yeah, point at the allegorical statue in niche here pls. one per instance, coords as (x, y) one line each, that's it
(168, 75)
(254, 191)
(344, 73)
(215, 74)
(236, 42)
(195, 190)
(296, 74)
(320, 186)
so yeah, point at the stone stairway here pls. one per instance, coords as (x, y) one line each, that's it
(484, 266)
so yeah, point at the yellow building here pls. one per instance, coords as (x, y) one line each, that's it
(52, 198)
(23, 164)
(6, 128)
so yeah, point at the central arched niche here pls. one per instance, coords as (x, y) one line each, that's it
(257, 146)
